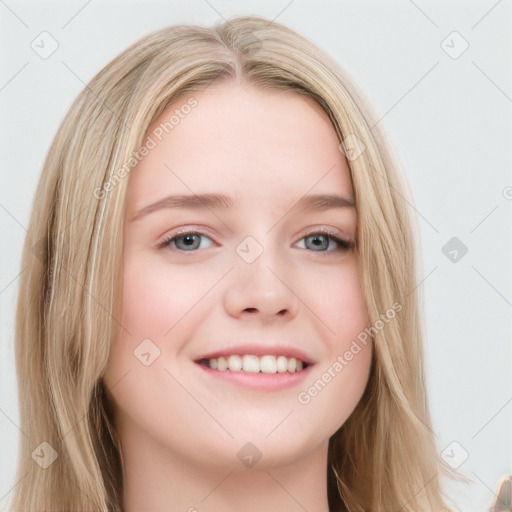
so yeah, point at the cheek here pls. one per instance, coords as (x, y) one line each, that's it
(157, 299)
(336, 297)
(160, 311)
(335, 388)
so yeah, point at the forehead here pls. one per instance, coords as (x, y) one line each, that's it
(243, 140)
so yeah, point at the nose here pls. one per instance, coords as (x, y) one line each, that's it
(264, 289)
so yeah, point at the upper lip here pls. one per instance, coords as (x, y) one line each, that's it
(259, 350)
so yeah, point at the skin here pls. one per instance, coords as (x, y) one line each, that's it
(181, 429)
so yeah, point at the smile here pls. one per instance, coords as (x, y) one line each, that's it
(254, 364)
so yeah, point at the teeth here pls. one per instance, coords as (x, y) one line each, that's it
(268, 364)
(282, 364)
(250, 364)
(255, 364)
(235, 363)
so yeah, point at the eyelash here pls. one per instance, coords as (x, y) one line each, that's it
(342, 245)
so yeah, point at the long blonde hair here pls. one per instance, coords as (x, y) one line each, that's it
(385, 456)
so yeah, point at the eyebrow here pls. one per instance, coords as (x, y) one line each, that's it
(310, 202)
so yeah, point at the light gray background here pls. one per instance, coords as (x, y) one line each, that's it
(449, 118)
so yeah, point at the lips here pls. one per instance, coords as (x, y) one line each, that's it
(256, 367)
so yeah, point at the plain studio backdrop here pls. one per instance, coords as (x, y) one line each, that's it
(439, 75)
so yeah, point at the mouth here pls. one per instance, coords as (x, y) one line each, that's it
(251, 363)
(257, 367)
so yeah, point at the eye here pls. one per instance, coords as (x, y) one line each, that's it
(321, 241)
(185, 241)
(318, 241)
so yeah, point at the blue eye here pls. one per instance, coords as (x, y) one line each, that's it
(189, 241)
(321, 241)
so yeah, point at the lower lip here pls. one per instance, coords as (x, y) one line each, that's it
(259, 381)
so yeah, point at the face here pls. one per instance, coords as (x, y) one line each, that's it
(230, 260)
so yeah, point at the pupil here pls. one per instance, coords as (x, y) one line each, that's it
(188, 241)
(319, 241)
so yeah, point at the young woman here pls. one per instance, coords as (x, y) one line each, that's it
(221, 310)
